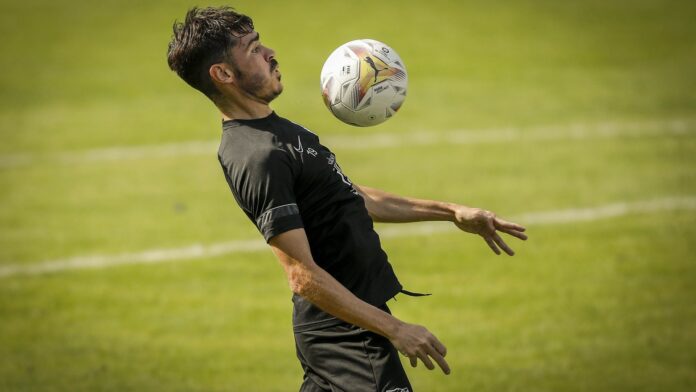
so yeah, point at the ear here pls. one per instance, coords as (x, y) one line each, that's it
(221, 73)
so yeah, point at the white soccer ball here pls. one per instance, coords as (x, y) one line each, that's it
(364, 82)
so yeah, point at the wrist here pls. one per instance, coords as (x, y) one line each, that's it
(391, 327)
(455, 211)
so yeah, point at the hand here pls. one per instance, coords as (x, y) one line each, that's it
(487, 225)
(416, 342)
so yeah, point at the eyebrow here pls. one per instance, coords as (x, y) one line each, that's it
(253, 39)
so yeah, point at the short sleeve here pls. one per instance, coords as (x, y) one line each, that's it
(263, 185)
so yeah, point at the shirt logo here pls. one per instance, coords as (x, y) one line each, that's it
(299, 148)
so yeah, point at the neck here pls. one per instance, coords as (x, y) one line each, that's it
(243, 109)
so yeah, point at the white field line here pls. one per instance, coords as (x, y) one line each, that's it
(572, 215)
(198, 251)
(604, 130)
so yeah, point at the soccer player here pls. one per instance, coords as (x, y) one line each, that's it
(317, 222)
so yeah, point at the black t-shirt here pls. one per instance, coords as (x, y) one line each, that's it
(283, 179)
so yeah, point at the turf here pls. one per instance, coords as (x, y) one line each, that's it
(604, 305)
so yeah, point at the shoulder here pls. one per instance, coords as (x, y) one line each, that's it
(244, 143)
(252, 157)
(257, 164)
(300, 130)
(268, 140)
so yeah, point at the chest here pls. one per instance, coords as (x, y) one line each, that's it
(319, 167)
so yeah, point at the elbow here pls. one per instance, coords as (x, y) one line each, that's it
(300, 280)
(377, 216)
(375, 207)
(298, 287)
(372, 210)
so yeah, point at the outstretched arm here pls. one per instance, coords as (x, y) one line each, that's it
(310, 281)
(386, 207)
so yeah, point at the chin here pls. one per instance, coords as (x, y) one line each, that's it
(278, 88)
(274, 94)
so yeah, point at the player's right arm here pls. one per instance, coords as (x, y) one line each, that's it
(312, 282)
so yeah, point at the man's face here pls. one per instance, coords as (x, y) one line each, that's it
(256, 69)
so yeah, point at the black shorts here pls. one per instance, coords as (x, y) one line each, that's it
(348, 358)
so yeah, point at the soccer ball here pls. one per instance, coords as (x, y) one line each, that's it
(364, 82)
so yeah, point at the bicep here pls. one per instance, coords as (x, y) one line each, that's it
(292, 249)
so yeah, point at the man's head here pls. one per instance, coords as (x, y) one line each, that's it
(217, 51)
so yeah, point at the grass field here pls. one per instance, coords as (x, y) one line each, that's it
(521, 107)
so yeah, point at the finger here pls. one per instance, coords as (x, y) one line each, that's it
(440, 361)
(509, 225)
(424, 358)
(492, 245)
(514, 233)
(441, 349)
(414, 361)
(499, 241)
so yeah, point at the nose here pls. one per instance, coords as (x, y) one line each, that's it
(270, 54)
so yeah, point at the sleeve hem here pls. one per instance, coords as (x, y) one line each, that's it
(280, 226)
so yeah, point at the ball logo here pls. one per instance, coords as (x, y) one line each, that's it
(372, 66)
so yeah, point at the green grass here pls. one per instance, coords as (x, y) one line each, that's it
(550, 319)
(604, 305)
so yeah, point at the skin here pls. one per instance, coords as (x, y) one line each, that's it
(251, 83)
(247, 87)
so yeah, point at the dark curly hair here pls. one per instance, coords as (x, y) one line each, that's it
(203, 39)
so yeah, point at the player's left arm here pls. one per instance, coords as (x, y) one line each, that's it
(387, 207)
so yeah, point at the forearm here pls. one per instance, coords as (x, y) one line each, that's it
(312, 282)
(390, 208)
(325, 292)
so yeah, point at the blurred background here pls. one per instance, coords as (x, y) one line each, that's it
(125, 263)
